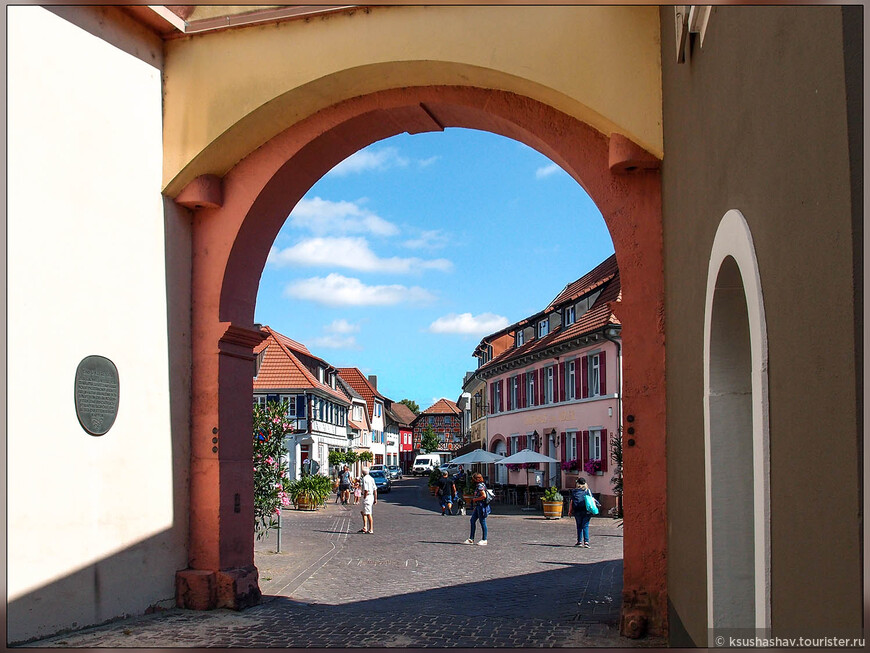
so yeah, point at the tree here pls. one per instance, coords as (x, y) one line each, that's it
(429, 441)
(271, 426)
(366, 456)
(410, 403)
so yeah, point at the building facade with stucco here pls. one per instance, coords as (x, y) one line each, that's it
(153, 157)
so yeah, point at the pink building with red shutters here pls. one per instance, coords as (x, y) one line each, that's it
(553, 386)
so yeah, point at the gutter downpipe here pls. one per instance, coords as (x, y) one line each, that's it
(617, 341)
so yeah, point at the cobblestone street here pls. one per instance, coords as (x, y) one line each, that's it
(412, 583)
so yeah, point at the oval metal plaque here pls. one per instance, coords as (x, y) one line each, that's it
(97, 391)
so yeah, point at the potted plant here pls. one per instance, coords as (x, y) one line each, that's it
(468, 489)
(552, 502)
(434, 477)
(309, 492)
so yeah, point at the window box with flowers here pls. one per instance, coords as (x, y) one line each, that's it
(593, 467)
(570, 465)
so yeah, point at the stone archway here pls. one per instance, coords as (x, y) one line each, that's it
(235, 222)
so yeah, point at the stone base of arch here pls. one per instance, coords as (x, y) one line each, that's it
(236, 589)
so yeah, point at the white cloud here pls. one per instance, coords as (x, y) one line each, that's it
(351, 253)
(546, 171)
(468, 324)
(322, 217)
(335, 342)
(425, 163)
(336, 290)
(434, 239)
(341, 326)
(370, 159)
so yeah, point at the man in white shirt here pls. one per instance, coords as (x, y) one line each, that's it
(370, 498)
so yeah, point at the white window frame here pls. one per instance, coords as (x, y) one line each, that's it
(543, 328)
(549, 384)
(594, 375)
(530, 388)
(569, 315)
(515, 391)
(496, 396)
(521, 338)
(260, 400)
(570, 380)
(571, 445)
(595, 444)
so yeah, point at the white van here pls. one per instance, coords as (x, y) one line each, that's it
(425, 463)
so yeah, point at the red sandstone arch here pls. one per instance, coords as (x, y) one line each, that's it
(232, 235)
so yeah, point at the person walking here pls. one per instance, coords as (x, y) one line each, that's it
(357, 491)
(481, 509)
(577, 508)
(344, 485)
(446, 490)
(370, 498)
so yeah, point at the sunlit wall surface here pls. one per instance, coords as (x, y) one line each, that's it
(90, 519)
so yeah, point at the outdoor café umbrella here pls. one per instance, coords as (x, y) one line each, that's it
(476, 456)
(526, 456)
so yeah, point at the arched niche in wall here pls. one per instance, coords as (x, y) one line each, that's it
(736, 433)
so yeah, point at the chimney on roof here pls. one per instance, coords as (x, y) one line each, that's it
(373, 379)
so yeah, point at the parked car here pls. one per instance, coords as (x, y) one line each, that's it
(394, 472)
(425, 463)
(378, 468)
(381, 481)
(451, 468)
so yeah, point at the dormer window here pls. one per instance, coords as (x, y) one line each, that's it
(568, 315)
(320, 374)
(521, 338)
(543, 328)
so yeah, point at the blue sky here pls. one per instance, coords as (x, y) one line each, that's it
(405, 254)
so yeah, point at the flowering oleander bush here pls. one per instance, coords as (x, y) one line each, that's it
(592, 466)
(270, 464)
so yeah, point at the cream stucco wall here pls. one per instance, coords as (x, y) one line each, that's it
(229, 92)
(97, 526)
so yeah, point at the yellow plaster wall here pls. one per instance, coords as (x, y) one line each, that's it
(226, 93)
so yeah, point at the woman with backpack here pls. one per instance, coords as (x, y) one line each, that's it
(481, 509)
(582, 515)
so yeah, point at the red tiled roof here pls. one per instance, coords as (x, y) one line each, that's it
(282, 370)
(442, 407)
(357, 380)
(597, 317)
(596, 277)
(355, 425)
(405, 414)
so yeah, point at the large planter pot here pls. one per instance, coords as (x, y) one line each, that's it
(552, 509)
(303, 502)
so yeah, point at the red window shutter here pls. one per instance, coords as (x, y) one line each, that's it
(602, 374)
(585, 446)
(605, 450)
(491, 398)
(564, 437)
(584, 376)
(562, 376)
(523, 442)
(507, 399)
(500, 396)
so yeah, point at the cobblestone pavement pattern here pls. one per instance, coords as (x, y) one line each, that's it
(412, 583)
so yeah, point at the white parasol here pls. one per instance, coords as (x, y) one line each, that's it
(523, 457)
